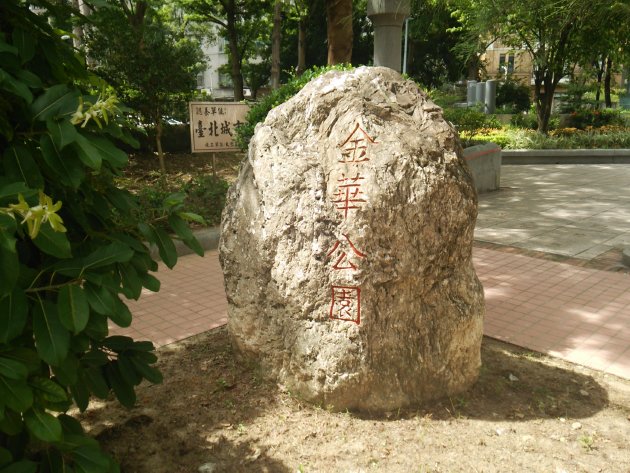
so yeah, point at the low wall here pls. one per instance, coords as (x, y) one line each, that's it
(484, 162)
(566, 156)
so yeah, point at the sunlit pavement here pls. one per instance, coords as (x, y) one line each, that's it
(562, 308)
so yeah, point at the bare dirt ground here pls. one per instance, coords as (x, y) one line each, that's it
(213, 413)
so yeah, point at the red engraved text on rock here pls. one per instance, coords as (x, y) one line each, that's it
(346, 304)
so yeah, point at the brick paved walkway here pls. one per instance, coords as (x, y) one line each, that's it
(575, 313)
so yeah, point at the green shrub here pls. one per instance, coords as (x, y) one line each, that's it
(468, 121)
(203, 196)
(584, 118)
(258, 112)
(566, 138)
(69, 249)
(513, 97)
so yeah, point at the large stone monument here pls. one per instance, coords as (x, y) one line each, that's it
(346, 247)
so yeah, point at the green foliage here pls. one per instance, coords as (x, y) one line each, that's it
(583, 118)
(69, 247)
(562, 138)
(203, 196)
(468, 121)
(150, 64)
(258, 112)
(513, 97)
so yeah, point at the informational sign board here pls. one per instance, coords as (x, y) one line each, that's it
(212, 125)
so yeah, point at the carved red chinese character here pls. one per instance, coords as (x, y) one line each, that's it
(348, 194)
(346, 304)
(354, 148)
(343, 261)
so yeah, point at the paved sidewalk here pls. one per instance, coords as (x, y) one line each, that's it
(573, 213)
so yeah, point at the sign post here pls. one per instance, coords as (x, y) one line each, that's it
(212, 127)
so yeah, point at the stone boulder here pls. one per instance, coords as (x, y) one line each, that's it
(346, 247)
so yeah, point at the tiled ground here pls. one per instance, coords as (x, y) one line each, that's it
(548, 253)
(579, 314)
(191, 300)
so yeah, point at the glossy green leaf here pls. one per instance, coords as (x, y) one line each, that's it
(15, 86)
(25, 43)
(124, 391)
(52, 339)
(90, 460)
(23, 466)
(115, 252)
(151, 374)
(66, 371)
(9, 192)
(131, 282)
(58, 100)
(121, 315)
(12, 369)
(14, 310)
(185, 233)
(62, 132)
(53, 243)
(81, 395)
(118, 343)
(192, 217)
(95, 381)
(109, 152)
(150, 282)
(19, 164)
(96, 328)
(27, 356)
(28, 78)
(15, 394)
(48, 389)
(128, 371)
(74, 311)
(166, 247)
(66, 166)
(100, 299)
(8, 267)
(87, 153)
(43, 425)
(72, 426)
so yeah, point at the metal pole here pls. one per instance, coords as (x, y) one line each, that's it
(404, 68)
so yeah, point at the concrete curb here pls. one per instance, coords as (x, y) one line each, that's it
(625, 256)
(566, 156)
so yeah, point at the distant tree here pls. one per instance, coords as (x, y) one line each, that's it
(339, 31)
(550, 31)
(433, 36)
(241, 22)
(145, 60)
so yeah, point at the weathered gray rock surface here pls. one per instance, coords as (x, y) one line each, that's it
(346, 247)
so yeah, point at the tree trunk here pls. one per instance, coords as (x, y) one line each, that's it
(236, 73)
(600, 73)
(158, 143)
(276, 35)
(607, 83)
(339, 19)
(544, 87)
(77, 29)
(301, 63)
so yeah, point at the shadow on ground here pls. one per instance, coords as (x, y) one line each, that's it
(213, 413)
